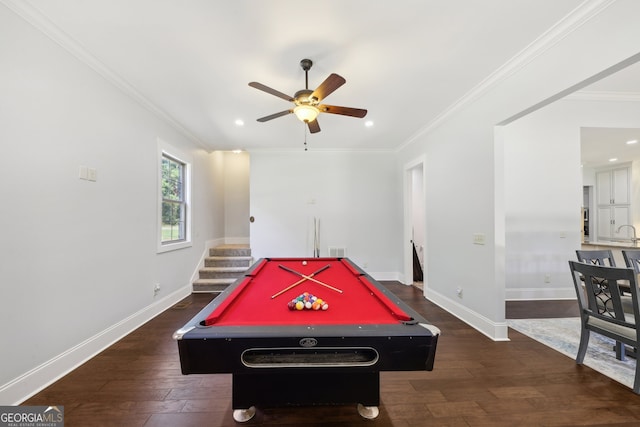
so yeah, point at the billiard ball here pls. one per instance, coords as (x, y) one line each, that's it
(304, 262)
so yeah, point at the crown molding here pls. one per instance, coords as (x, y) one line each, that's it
(574, 20)
(585, 95)
(41, 22)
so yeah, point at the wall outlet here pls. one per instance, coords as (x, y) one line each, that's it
(547, 278)
(156, 289)
(479, 239)
(87, 174)
(459, 292)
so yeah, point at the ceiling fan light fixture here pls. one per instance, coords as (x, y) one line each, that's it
(306, 113)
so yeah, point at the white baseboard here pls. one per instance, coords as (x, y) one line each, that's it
(21, 388)
(386, 275)
(493, 330)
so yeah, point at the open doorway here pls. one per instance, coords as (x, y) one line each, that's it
(415, 223)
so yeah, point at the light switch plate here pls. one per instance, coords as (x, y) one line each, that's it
(478, 239)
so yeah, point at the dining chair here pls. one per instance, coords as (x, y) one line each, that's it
(598, 257)
(612, 321)
(632, 259)
(603, 257)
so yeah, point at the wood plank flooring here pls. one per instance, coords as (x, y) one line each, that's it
(476, 382)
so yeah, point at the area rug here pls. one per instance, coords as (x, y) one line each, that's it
(563, 335)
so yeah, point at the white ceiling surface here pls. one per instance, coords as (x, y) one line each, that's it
(406, 61)
(598, 145)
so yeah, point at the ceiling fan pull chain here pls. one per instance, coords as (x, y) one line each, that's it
(305, 136)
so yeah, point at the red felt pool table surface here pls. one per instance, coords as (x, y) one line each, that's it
(253, 301)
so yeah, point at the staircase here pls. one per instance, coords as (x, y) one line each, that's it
(222, 267)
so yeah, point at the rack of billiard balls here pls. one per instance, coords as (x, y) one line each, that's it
(307, 301)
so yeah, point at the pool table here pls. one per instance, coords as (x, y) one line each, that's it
(328, 353)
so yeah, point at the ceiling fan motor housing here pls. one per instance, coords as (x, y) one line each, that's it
(303, 97)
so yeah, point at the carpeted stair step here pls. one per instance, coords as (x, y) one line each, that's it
(224, 265)
(230, 250)
(222, 272)
(228, 261)
(211, 285)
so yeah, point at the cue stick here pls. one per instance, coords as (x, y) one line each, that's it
(321, 283)
(299, 281)
(310, 277)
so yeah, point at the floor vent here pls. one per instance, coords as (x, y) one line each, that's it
(337, 252)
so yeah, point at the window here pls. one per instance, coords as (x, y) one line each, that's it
(174, 210)
(173, 202)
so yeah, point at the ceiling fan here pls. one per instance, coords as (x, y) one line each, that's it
(307, 102)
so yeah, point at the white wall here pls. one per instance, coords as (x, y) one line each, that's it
(543, 192)
(352, 194)
(236, 197)
(465, 171)
(79, 258)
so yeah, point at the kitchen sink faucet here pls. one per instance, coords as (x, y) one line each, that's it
(634, 240)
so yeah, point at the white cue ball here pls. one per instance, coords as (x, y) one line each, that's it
(304, 262)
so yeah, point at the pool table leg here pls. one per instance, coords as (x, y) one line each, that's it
(244, 415)
(368, 412)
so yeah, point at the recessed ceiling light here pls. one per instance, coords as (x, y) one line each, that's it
(368, 123)
(633, 141)
(239, 122)
(237, 151)
(613, 159)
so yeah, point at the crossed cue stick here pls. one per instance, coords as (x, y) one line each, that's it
(305, 277)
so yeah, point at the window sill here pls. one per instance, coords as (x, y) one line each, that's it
(168, 247)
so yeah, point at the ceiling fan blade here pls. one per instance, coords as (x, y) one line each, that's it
(344, 111)
(314, 127)
(327, 87)
(267, 89)
(275, 115)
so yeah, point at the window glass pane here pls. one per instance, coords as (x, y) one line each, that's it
(172, 180)
(173, 203)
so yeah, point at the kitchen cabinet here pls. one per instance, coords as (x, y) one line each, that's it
(609, 219)
(613, 187)
(613, 197)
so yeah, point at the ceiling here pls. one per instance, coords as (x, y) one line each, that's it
(405, 61)
(600, 145)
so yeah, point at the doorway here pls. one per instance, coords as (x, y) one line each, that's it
(415, 245)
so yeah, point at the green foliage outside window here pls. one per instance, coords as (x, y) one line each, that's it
(173, 203)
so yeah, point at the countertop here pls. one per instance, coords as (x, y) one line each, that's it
(617, 245)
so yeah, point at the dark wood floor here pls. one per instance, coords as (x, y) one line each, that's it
(475, 382)
(544, 309)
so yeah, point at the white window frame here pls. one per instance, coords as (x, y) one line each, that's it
(165, 149)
